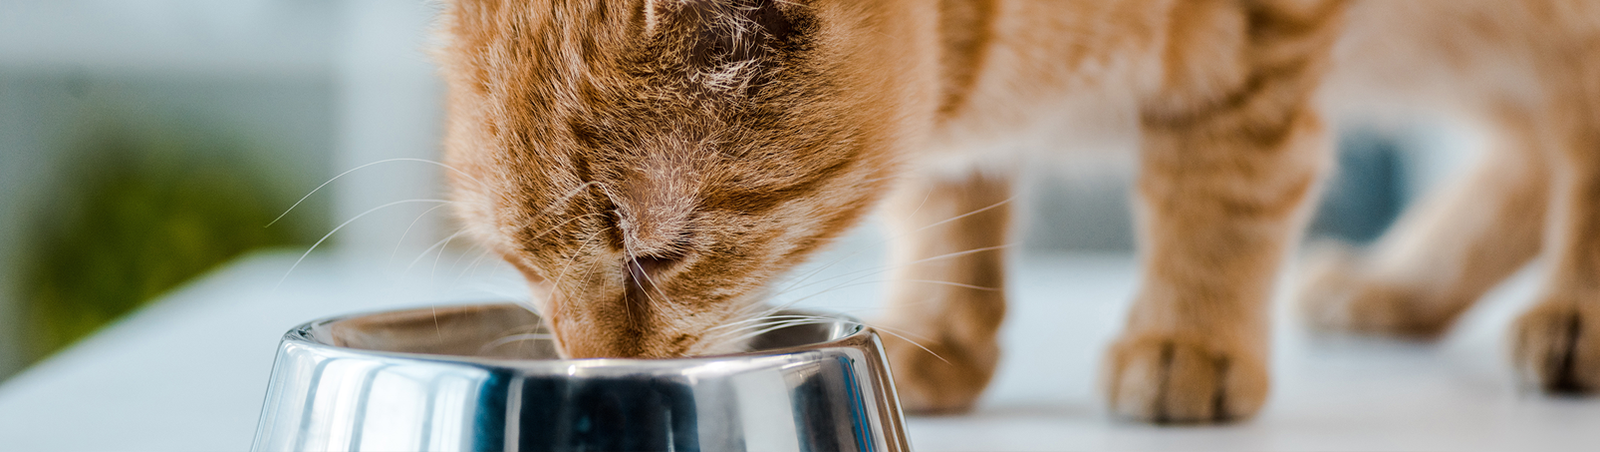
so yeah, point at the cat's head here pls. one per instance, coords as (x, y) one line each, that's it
(652, 165)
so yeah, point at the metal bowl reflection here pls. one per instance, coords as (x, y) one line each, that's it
(482, 378)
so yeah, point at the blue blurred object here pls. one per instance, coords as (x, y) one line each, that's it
(1364, 194)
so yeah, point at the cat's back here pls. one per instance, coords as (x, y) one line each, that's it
(1023, 74)
(1082, 72)
(1460, 54)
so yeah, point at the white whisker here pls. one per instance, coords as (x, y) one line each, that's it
(341, 226)
(886, 268)
(514, 338)
(803, 319)
(968, 214)
(413, 224)
(902, 336)
(437, 244)
(556, 284)
(813, 273)
(746, 334)
(436, 257)
(846, 285)
(358, 168)
(568, 196)
(472, 267)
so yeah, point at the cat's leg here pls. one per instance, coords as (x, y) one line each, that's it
(1226, 173)
(948, 294)
(1215, 226)
(1443, 254)
(1556, 344)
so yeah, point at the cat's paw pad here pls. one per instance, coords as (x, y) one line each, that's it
(1556, 347)
(1336, 298)
(933, 378)
(1164, 379)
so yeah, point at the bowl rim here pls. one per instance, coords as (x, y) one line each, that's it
(303, 335)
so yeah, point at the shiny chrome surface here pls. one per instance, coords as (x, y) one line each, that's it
(477, 378)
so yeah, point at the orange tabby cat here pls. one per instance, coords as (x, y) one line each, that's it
(652, 165)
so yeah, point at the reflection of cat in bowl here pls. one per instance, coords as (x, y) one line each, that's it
(491, 331)
(651, 166)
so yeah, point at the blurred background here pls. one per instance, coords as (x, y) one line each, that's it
(144, 143)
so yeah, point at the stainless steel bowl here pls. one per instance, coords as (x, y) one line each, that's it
(480, 378)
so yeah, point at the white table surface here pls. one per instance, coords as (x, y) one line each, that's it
(189, 373)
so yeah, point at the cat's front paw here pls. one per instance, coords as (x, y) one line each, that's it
(935, 378)
(1556, 347)
(1169, 379)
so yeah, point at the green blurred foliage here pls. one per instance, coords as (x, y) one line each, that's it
(140, 210)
